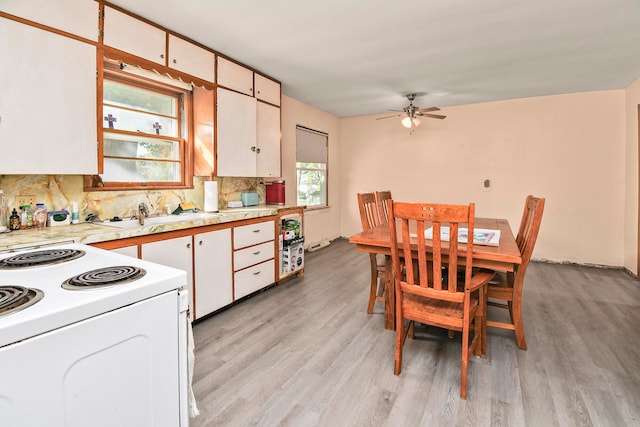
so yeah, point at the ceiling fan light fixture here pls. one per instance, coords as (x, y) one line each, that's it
(410, 122)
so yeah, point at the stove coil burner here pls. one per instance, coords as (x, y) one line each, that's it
(40, 258)
(16, 298)
(101, 277)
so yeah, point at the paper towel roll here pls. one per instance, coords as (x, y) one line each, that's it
(211, 196)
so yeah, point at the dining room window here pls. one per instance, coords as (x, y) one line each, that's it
(144, 135)
(311, 167)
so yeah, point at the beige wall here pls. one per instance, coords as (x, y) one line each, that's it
(322, 224)
(569, 149)
(631, 178)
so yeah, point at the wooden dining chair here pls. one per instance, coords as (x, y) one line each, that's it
(425, 295)
(369, 218)
(381, 199)
(508, 286)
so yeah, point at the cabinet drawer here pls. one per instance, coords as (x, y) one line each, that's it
(252, 234)
(254, 278)
(252, 255)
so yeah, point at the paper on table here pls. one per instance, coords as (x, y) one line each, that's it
(481, 236)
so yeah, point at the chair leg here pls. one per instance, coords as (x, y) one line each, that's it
(465, 360)
(374, 283)
(400, 332)
(517, 322)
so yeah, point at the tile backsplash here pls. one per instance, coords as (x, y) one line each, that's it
(60, 191)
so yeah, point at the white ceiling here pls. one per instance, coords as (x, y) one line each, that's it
(357, 57)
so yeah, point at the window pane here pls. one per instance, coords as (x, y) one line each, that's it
(311, 184)
(132, 146)
(123, 170)
(139, 99)
(136, 121)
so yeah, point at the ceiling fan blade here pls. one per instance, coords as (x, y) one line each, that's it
(387, 117)
(433, 116)
(426, 110)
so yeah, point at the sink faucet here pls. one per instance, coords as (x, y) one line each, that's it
(142, 212)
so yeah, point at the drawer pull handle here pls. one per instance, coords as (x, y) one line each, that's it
(256, 231)
(256, 273)
(257, 253)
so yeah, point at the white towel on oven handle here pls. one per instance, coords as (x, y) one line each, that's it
(193, 408)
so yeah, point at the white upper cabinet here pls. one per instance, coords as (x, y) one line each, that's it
(78, 17)
(268, 141)
(234, 76)
(191, 59)
(236, 143)
(133, 36)
(47, 102)
(267, 90)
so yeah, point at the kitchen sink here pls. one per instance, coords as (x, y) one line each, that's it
(159, 220)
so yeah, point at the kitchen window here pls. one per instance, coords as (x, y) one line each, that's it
(311, 167)
(144, 134)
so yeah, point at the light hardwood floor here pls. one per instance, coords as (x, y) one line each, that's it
(306, 353)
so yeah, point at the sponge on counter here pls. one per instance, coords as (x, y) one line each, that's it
(183, 208)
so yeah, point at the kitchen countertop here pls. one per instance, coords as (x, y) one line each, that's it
(87, 232)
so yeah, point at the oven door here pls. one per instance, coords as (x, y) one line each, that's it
(117, 369)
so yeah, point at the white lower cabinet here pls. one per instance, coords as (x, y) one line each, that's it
(213, 273)
(253, 256)
(176, 253)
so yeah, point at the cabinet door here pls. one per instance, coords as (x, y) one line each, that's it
(176, 253)
(130, 35)
(78, 17)
(213, 273)
(191, 59)
(47, 102)
(268, 141)
(235, 76)
(236, 143)
(267, 90)
(253, 278)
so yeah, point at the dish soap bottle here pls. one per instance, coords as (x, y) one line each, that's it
(14, 221)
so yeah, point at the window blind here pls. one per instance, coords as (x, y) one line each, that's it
(311, 145)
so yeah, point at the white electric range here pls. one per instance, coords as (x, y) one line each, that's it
(100, 340)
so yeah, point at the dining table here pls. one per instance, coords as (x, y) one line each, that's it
(503, 257)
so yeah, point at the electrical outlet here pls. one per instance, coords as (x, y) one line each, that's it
(486, 186)
(26, 199)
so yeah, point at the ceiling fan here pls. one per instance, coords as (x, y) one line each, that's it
(412, 113)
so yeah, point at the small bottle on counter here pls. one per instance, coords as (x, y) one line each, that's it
(40, 216)
(14, 221)
(75, 216)
(28, 216)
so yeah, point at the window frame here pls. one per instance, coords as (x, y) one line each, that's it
(325, 187)
(112, 72)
